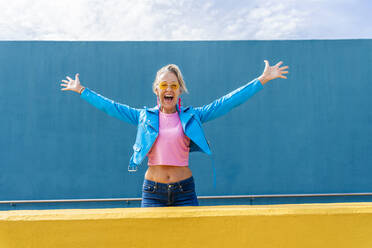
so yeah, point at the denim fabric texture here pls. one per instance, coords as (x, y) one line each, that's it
(181, 193)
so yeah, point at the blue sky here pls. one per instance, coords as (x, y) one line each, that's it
(184, 20)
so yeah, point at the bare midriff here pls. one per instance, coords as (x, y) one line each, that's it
(167, 173)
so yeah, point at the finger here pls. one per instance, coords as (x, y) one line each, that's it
(65, 81)
(278, 64)
(284, 72)
(69, 78)
(284, 67)
(283, 77)
(65, 85)
(266, 64)
(77, 76)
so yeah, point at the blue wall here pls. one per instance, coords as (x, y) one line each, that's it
(311, 133)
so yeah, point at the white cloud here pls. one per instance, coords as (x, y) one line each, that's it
(177, 20)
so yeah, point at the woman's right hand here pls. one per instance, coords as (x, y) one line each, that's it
(73, 85)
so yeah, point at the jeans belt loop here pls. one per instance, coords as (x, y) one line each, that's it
(180, 186)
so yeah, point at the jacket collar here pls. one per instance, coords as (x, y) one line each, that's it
(185, 115)
(155, 109)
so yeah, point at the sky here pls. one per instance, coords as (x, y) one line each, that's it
(137, 20)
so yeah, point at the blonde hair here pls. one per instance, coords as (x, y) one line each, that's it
(174, 69)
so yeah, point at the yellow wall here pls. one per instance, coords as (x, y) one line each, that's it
(300, 226)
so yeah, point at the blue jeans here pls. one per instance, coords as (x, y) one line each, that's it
(181, 193)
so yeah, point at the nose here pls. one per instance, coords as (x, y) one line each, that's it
(169, 87)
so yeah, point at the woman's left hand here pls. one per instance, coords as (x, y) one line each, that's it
(272, 72)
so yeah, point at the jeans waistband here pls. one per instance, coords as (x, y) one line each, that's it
(166, 185)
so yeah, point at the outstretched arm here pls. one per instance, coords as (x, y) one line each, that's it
(224, 104)
(118, 110)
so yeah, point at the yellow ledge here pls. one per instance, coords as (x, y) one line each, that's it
(306, 225)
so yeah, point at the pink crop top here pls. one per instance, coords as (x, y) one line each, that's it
(172, 145)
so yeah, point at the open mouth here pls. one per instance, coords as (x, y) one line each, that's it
(168, 99)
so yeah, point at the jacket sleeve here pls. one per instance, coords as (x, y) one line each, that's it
(226, 103)
(121, 111)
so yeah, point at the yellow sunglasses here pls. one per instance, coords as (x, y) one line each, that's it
(164, 85)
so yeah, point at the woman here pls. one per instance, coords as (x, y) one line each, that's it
(167, 136)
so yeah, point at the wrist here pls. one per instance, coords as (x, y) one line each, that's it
(262, 79)
(81, 89)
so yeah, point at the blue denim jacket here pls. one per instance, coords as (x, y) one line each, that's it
(147, 119)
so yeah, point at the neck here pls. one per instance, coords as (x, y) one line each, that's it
(168, 111)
